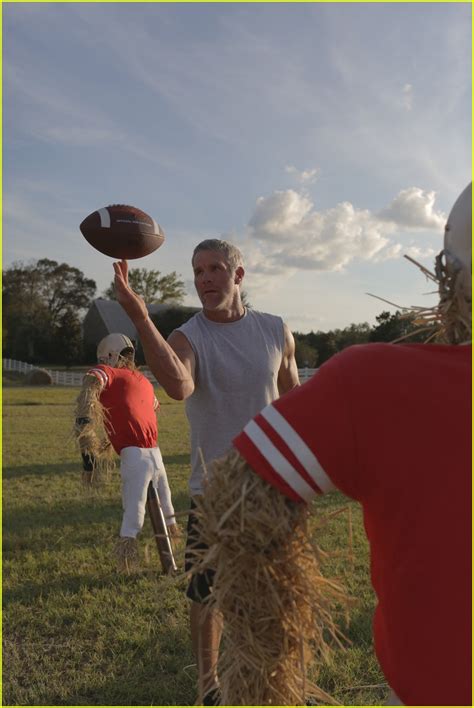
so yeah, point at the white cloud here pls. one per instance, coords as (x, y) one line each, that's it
(277, 215)
(303, 176)
(414, 208)
(286, 233)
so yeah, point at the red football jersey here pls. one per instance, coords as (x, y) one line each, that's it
(389, 425)
(130, 402)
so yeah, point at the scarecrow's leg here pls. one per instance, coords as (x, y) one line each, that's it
(161, 484)
(160, 530)
(206, 632)
(136, 475)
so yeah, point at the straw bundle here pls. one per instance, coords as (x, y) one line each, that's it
(38, 377)
(448, 322)
(455, 304)
(91, 431)
(126, 552)
(275, 604)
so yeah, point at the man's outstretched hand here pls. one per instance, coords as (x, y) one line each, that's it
(132, 303)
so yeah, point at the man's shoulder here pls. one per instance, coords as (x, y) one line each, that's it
(265, 316)
(190, 324)
(272, 325)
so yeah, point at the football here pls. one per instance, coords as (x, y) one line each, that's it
(122, 231)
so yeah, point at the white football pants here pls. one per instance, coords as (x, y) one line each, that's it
(138, 467)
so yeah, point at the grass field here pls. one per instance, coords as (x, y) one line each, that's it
(77, 633)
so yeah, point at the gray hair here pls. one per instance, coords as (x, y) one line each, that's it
(230, 252)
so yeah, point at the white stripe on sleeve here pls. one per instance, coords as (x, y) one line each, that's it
(99, 374)
(278, 462)
(298, 447)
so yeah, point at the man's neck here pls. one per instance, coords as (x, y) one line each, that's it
(227, 315)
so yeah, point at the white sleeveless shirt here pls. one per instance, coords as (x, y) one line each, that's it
(236, 375)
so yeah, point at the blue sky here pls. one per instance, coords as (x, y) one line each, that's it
(325, 140)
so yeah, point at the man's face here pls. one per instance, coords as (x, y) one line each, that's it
(214, 280)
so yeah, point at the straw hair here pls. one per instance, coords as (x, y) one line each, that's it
(455, 301)
(127, 362)
(275, 604)
(450, 321)
(92, 436)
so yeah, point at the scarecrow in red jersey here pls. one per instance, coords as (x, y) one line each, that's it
(389, 426)
(117, 409)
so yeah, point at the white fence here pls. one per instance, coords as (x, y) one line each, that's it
(305, 374)
(74, 378)
(61, 378)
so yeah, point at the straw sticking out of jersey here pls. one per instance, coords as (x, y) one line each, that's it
(276, 606)
(91, 433)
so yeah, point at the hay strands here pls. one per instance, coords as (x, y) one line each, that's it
(276, 606)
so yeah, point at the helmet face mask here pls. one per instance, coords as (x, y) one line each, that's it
(114, 347)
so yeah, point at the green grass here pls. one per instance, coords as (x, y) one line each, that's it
(77, 633)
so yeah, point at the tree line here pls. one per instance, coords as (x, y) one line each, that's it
(44, 304)
(314, 348)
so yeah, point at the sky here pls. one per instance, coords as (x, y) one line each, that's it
(325, 140)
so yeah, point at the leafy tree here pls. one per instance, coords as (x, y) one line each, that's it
(305, 354)
(325, 344)
(29, 332)
(152, 286)
(171, 318)
(389, 327)
(394, 326)
(39, 298)
(56, 286)
(68, 340)
(353, 334)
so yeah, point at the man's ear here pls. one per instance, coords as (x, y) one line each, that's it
(239, 274)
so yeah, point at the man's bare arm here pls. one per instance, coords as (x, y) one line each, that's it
(179, 343)
(174, 373)
(288, 374)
